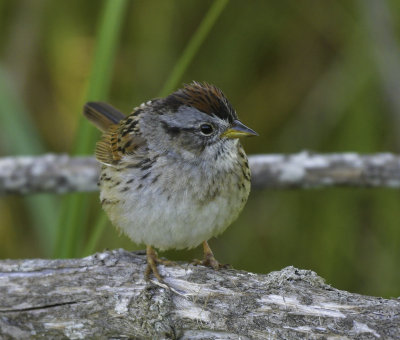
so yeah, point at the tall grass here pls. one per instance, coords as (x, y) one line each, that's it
(71, 228)
(193, 46)
(23, 138)
(305, 76)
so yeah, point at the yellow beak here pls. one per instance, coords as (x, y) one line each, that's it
(237, 130)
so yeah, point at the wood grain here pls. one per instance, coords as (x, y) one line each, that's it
(106, 296)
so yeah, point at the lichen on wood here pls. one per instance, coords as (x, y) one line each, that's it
(106, 296)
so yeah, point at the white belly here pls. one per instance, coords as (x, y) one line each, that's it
(175, 223)
(177, 218)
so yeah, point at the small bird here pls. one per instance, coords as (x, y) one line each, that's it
(173, 172)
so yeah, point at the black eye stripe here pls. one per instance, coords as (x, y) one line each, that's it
(171, 130)
(205, 128)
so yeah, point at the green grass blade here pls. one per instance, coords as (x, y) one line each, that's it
(16, 122)
(73, 219)
(100, 78)
(19, 129)
(172, 82)
(193, 46)
(95, 236)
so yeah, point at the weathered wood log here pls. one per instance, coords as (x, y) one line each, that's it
(106, 296)
(62, 173)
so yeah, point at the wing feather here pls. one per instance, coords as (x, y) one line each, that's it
(119, 140)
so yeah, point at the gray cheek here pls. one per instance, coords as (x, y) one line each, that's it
(190, 142)
(156, 138)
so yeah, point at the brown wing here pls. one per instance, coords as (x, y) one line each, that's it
(119, 140)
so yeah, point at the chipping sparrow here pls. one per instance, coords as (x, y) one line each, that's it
(174, 173)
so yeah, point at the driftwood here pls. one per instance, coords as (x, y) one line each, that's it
(106, 296)
(62, 173)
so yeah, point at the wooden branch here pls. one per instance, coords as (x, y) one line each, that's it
(62, 173)
(106, 296)
(48, 173)
(308, 170)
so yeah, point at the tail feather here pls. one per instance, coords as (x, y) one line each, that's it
(102, 115)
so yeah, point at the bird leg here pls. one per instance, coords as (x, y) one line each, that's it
(152, 261)
(152, 264)
(209, 260)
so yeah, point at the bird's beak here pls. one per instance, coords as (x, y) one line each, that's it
(237, 130)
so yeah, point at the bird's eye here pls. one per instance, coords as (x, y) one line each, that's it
(206, 129)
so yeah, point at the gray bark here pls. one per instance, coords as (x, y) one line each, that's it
(48, 173)
(106, 296)
(62, 173)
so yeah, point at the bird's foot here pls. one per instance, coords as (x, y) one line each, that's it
(209, 259)
(152, 261)
(212, 263)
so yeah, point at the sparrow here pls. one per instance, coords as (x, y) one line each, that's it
(174, 173)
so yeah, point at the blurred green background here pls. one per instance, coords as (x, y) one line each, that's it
(316, 75)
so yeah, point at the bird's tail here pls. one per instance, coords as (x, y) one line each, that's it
(102, 115)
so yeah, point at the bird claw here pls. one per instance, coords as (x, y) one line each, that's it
(211, 262)
(153, 261)
(209, 259)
